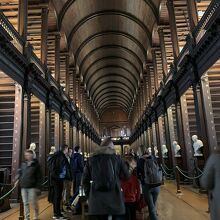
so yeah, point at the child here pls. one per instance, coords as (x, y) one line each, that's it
(131, 191)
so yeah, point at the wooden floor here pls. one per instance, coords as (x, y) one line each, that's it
(188, 206)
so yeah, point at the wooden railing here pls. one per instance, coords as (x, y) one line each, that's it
(17, 40)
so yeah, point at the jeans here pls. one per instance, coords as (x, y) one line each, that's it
(29, 196)
(76, 182)
(106, 217)
(57, 197)
(67, 192)
(150, 196)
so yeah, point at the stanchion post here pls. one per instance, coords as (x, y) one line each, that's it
(177, 181)
(21, 212)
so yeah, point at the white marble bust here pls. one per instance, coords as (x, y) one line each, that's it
(156, 151)
(177, 149)
(164, 151)
(33, 148)
(149, 150)
(197, 145)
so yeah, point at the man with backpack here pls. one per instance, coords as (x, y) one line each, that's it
(101, 182)
(59, 171)
(150, 174)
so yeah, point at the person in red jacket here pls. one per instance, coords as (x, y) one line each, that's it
(131, 191)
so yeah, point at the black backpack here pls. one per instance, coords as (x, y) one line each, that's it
(51, 164)
(152, 172)
(103, 174)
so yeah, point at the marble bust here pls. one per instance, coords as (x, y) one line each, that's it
(149, 150)
(155, 151)
(177, 149)
(33, 148)
(164, 151)
(52, 150)
(197, 145)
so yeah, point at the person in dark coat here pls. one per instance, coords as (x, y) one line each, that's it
(77, 166)
(30, 178)
(105, 203)
(210, 181)
(59, 172)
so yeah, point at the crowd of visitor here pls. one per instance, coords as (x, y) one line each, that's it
(116, 187)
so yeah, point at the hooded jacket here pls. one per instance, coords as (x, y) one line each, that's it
(107, 202)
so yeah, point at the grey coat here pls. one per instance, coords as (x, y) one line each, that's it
(108, 202)
(210, 180)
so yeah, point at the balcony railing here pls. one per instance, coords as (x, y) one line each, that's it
(213, 8)
(17, 41)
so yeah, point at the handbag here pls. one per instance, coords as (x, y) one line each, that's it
(141, 203)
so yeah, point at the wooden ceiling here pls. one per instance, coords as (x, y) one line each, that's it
(109, 43)
(109, 40)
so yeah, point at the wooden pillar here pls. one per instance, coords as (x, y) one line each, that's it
(75, 141)
(42, 138)
(17, 134)
(57, 57)
(44, 34)
(23, 18)
(171, 132)
(61, 131)
(67, 133)
(74, 85)
(48, 129)
(168, 140)
(187, 138)
(26, 136)
(204, 116)
(172, 21)
(44, 133)
(67, 76)
(192, 12)
(57, 131)
(158, 138)
(163, 51)
(71, 136)
(156, 84)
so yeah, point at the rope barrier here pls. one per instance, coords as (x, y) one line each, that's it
(188, 177)
(168, 174)
(169, 169)
(44, 183)
(10, 191)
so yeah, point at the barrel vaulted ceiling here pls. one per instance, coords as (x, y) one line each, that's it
(109, 40)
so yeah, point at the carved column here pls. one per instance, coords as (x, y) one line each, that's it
(163, 51)
(192, 12)
(57, 131)
(67, 136)
(173, 28)
(61, 131)
(22, 18)
(42, 137)
(26, 137)
(155, 68)
(17, 134)
(57, 57)
(44, 34)
(44, 132)
(158, 137)
(67, 76)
